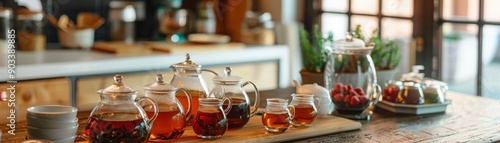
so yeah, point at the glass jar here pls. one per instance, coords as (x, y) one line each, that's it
(411, 93)
(119, 117)
(210, 121)
(171, 121)
(30, 31)
(187, 75)
(351, 78)
(229, 86)
(277, 117)
(306, 109)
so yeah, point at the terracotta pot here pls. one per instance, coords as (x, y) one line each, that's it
(312, 77)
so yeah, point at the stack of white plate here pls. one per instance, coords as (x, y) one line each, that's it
(57, 123)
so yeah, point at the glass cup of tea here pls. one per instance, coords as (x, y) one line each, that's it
(306, 110)
(210, 122)
(277, 116)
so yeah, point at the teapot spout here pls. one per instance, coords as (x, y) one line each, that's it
(297, 84)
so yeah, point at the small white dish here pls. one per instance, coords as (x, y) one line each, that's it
(208, 38)
(50, 124)
(414, 109)
(51, 134)
(53, 112)
(77, 38)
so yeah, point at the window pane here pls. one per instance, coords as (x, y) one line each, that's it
(334, 5)
(491, 61)
(368, 24)
(403, 8)
(459, 57)
(491, 10)
(365, 6)
(461, 9)
(400, 30)
(336, 23)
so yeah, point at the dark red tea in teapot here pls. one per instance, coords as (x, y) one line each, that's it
(239, 114)
(100, 130)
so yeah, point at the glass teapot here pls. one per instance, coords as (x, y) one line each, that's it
(187, 75)
(232, 87)
(171, 121)
(119, 116)
(351, 78)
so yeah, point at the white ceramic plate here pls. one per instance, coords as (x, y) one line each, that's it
(414, 109)
(208, 38)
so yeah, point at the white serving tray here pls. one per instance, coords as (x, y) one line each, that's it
(414, 109)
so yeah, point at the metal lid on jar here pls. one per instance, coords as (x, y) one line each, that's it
(159, 85)
(187, 63)
(6, 12)
(227, 77)
(117, 88)
(351, 45)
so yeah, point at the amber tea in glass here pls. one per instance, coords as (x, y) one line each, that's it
(210, 121)
(306, 110)
(276, 117)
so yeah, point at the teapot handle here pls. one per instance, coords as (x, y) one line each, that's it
(190, 101)
(211, 71)
(229, 105)
(291, 112)
(377, 95)
(317, 103)
(257, 97)
(155, 108)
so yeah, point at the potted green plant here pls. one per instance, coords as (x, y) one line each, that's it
(386, 55)
(314, 54)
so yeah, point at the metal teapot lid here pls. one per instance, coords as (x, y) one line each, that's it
(187, 63)
(351, 45)
(227, 77)
(117, 87)
(159, 85)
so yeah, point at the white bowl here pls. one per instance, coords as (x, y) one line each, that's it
(53, 112)
(51, 134)
(77, 38)
(50, 124)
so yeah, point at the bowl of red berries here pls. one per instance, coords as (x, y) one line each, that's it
(350, 101)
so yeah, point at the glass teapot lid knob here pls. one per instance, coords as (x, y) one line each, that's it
(117, 87)
(159, 78)
(349, 36)
(118, 79)
(188, 59)
(227, 71)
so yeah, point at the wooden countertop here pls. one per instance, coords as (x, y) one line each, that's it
(468, 119)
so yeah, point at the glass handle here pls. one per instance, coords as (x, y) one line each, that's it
(155, 108)
(211, 71)
(377, 95)
(316, 102)
(229, 105)
(257, 97)
(291, 112)
(190, 101)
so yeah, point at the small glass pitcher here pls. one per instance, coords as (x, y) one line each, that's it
(232, 87)
(277, 116)
(119, 116)
(210, 121)
(187, 75)
(171, 121)
(306, 109)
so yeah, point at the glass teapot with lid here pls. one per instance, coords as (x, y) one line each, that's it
(119, 117)
(171, 121)
(351, 78)
(187, 75)
(228, 86)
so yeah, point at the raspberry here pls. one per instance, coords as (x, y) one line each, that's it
(359, 91)
(338, 97)
(354, 100)
(363, 100)
(347, 98)
(349, 87)
(338, 85)
(334, 91)
(353, 93)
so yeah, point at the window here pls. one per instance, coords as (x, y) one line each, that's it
(393, 20)
(470, 38)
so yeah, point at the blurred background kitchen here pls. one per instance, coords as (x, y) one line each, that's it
(457, 41)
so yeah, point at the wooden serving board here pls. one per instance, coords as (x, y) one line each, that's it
(254, 131)
(121, 48)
